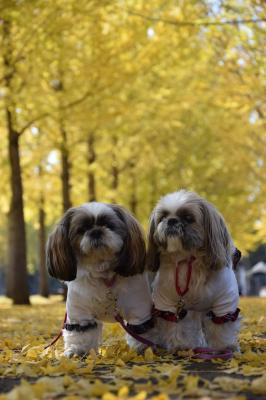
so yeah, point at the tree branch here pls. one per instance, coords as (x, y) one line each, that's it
(197, 23)
(28, 124)
(47, 114)
(77, 101)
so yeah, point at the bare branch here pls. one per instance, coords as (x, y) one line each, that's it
(47, 114)
(197, 23)
(31, 122)
(77, 101)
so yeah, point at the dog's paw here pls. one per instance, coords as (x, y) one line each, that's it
(136, 345)
(69, 353)
(74, 351)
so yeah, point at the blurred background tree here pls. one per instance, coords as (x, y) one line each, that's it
(124, 101)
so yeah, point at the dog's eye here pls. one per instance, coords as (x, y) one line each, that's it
(109, 225)
(163, 215)
(189, 218)
(82, 229)
(105, 221)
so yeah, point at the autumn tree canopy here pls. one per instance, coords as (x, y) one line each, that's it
(124, 101)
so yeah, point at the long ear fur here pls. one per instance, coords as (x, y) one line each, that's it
(131, 259)
(60, 258)
(153, 253)
(218, 242)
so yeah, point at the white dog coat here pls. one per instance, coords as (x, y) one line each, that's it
(91, 298)
(218, 294)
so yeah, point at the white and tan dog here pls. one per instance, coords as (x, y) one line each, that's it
(195, 292)
(99, 251)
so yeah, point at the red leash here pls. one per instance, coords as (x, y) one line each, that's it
(139, 338)
(199, 353)
(59, 334)
(109, 282)
(120, 320)
(189, 272)
(203, 353)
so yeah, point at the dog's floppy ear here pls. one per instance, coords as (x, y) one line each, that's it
(153, 253)
(217, 241)
(60, 258)
(131, 259)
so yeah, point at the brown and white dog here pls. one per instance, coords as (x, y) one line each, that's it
(190, 249)
(99, 251)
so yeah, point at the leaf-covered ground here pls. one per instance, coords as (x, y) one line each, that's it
(27, 371)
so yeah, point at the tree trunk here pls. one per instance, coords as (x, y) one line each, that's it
(91, 174)
(114, 171)
(66, 170)
(17, 284)
(153, 190)
(133, 202)
(17, 261)
(65, 176)
(115, 178)
(43, 282)
(133, 198)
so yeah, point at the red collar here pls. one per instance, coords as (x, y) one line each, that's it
(109, 282)
(168, 315)
(189, 271)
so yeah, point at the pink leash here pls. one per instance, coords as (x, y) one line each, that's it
(139, 338)
(203, 353)
(120, 320)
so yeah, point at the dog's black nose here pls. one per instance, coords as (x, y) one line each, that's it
(172, 221)
(96, 233)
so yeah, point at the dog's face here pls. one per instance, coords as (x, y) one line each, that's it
(184, 223)
(95, 229)
(178, 224)
(99, 236)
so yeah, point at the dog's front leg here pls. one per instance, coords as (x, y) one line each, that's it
(222, 336)
(182, 335)
(79, 339)
(134, 303)
(142, 336)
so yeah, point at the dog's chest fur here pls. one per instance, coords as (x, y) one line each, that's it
(200, 293)
(92, 298)
(208, 289)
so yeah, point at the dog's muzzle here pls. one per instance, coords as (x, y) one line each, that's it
(96, 238)
(174, 228)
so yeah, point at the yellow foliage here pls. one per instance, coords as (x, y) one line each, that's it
(118, 373)
(259, 385)
(168, 106)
